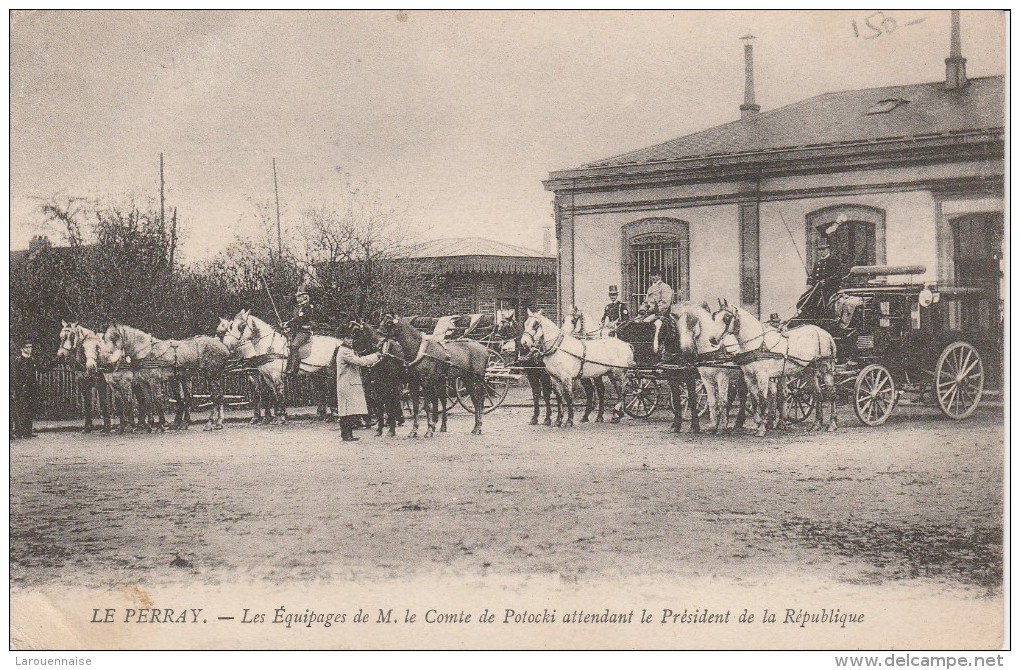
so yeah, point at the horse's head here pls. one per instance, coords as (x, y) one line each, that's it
(534, 330)
(222, 328)
(388, 324)
(112, 345)
(362, 335)
(726, 321)
(506, 325)
(238, 331)
(100, 352)
(574, 323)
(70, 338)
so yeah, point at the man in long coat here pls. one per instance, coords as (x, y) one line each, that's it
(350, 389)
(24, 389)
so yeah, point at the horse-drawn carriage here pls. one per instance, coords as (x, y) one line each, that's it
(486, 329)
(646, 388)
(906, 336)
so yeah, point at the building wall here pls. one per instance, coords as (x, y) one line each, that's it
(597, 246)
(916, 228)
(472, 293)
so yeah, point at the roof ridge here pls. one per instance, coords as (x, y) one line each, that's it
(617, 159)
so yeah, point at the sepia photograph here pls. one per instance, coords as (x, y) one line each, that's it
(509, 330)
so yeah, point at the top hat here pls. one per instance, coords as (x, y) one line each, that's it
(655, 271)
(823, 243)
(774, 316)
(612, 289)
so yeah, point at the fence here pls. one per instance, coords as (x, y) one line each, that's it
(60, 396)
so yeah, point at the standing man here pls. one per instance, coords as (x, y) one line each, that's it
(616, 312)
(350, 390)
(659, 297)
(24, 389)
(299, 329)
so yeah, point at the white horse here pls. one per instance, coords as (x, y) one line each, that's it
(695, 327)
(255, 339)
(568, 358)
(766, 354)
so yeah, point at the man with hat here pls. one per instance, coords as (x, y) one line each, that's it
(616, 312)
(300, 329)
(658, 297)
(822, 280)
(25, 388)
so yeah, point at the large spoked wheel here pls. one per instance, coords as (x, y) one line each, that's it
(702, 398)
(640, 397)
(799, 400)
(874, 395)
(959, 380)
(497, 384)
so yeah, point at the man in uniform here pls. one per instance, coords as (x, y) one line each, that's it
(658, 298)
(616, 312)
(300, 329)
(823, 278)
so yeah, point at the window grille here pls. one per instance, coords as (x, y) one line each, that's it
(671, 255)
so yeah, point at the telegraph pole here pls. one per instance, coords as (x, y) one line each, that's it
(173, 239)
(162, 200)
(279, 234)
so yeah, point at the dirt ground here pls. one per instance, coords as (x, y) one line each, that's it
(920, 498)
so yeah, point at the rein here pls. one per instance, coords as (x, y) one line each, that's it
(556, 346)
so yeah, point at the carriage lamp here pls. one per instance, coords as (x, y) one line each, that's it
(925, 298)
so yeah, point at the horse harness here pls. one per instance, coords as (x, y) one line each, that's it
(762, 352)
(556, 346)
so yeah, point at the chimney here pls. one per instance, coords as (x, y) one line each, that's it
(547, 240)
(38, 243)
(956, 64)
(748, 109)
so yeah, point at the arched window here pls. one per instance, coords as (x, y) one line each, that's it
(655, 243)
(856, 234)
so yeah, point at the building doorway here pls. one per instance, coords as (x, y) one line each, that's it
(977, 263)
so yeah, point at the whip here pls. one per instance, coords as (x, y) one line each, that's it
(271, 301)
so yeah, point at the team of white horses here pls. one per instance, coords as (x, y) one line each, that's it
(136, 364)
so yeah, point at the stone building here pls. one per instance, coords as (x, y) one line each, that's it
(480, 276)
(913, 174)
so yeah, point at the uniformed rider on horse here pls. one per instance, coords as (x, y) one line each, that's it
(299, 329)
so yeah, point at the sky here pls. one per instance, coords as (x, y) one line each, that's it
(454, 118)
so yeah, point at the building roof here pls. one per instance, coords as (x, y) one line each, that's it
(842, 117)
(477, 254)
(470, 246)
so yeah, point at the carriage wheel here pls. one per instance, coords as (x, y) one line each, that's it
(959, 380)
(874, 395)
(497, 384)
(702, 398)
(640, 397)
(799, 401)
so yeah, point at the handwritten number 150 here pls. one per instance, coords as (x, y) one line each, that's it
(878, 24)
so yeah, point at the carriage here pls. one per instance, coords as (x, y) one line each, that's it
(486, 329)
(942, 343)
(646, 388)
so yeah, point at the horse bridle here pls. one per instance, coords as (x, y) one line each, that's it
(540, 329)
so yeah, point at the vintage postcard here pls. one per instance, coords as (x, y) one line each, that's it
(507, 330)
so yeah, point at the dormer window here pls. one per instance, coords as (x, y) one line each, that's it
(886, 106)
